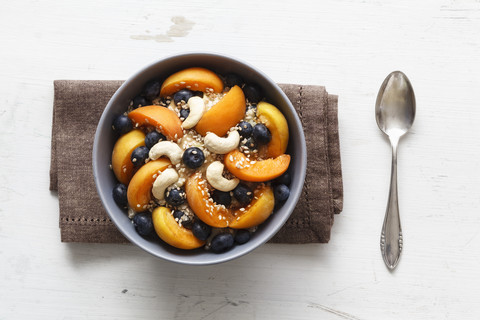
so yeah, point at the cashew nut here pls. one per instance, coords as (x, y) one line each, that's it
(215, 178)
(166, 148)
(197, 109)
(166, 178)
(220, 145)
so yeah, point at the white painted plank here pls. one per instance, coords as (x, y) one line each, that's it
(348, 46)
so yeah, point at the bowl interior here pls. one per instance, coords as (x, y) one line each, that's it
(105, 139)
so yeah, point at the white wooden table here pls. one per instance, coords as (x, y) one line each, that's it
(349, 47)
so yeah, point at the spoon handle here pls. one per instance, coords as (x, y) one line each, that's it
(391, 240)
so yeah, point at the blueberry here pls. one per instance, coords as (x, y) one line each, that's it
(182, 95)
(180, 216)
(261, 134)
(201, 230)
(193, 157)
(143, 223)
(242, 236)
(245, 129)
(152, 89)
(184, 113)
(250, 143)
(139, 155)
(175, 196)
(283, 179)
(253, 93)
(139, 101)
(221, 197)
(281, 192)
(152, 138)
(122, 124)
(119, 193)
(243, 194)
(233, 79)
(222, 242)
(177, 214)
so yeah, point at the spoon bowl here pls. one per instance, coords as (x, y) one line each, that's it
(395, 106)
(395, 113)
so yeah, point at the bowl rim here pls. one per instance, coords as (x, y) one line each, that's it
(220, 258)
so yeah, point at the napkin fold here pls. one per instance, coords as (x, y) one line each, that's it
(78, 105)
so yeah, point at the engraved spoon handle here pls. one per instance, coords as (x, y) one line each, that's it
(391, 241)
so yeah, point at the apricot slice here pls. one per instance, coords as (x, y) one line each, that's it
(220, 217)
(258, 171)
(260, 209)
(223, 115)
(202, 204)
(163, 119)
(275, 121)
(139, 192)
(196, 79)
(121, 164)
(171, 232)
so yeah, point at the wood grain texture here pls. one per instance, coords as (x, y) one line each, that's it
(349, 47)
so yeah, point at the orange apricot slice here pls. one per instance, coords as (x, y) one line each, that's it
(163, 119)
(139, 192)
(220, 217)
(257, 212)
(202, 204)
(171, 232)
(223, 115)
(275, 121)
(196, 79)
(257, 171)
(122, 150)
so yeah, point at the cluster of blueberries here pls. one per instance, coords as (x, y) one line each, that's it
(193, 157)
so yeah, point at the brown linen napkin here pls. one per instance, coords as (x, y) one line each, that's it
(78, 105)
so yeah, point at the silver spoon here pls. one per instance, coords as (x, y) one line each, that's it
(395, 112)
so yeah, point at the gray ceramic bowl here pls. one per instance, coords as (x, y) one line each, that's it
(105, 139)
